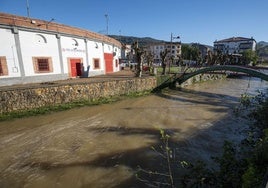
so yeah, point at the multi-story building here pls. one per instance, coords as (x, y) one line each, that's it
(173, 48)
(235, 45)
(34, 50)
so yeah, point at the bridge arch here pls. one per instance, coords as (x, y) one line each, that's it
(249, 71)
(182, 78)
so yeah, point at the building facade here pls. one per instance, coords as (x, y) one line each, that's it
(173, 49)
(35, 50)
(235, 45)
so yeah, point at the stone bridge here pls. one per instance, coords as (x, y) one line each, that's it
(180, 78)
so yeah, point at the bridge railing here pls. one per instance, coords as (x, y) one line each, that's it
(189, 72)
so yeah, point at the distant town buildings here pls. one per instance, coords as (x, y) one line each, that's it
(235, 45)
(153, 50)
(173, 49)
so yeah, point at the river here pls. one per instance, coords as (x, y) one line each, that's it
(101, 146)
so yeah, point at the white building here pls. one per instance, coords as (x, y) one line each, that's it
(35, 50)
(174, 50)
(235, 45)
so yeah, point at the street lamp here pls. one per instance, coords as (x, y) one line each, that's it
(28, 8)
(171, 39)
(107, 19)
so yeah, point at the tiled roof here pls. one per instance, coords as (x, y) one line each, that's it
(32, 23)
(234, 39)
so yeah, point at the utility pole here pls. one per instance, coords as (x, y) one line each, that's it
(171, 55)
(107, 19)
(28, 8)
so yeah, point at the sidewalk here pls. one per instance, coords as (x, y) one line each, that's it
(123, 74)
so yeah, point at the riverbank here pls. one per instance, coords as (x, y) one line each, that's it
(31, 99)
(40, 98)
(103, 145)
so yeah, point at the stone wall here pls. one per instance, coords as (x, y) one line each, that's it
(49, 95)
(203, 78)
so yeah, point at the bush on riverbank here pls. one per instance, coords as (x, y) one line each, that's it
(243, 165)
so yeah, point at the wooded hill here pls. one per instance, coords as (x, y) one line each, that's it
(262, 50)
(130, 40)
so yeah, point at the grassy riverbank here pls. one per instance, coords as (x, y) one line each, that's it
(67, 106)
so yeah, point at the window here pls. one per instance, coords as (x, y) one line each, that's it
(42, 64)
(96, 63)
(3, 66)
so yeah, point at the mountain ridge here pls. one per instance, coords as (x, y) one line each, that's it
(143, 41)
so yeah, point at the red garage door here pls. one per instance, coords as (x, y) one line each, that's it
(76, 67)
(108, 62)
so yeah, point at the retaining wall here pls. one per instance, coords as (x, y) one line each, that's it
(203, 78)
(31, 98)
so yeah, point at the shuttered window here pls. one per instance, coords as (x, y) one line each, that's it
(42, 64)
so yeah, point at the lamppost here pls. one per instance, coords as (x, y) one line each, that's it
(28, 8)
(171, 56)
(107, 19)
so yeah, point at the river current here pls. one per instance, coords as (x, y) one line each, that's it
(102, 146)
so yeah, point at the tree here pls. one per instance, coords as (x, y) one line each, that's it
(209, 58)
(163, 55)
(149, 59)
(250, 57)
(139, 57)
(190, 53)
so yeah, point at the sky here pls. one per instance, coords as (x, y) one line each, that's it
(200, 21)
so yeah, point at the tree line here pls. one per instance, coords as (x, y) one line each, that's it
(192, 54)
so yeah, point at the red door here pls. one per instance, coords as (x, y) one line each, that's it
(108, 62)
(76, 68)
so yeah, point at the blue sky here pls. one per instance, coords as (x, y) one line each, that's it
(202, 21)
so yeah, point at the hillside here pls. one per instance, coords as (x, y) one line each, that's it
(262, 43)
(130, 40)
(262, 50)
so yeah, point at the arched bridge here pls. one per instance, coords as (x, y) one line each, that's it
(185, 76)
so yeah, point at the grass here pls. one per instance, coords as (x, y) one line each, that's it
(173, 70)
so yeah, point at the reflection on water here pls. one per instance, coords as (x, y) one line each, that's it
(101, 146)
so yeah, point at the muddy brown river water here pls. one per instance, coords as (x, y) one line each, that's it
(101, 146)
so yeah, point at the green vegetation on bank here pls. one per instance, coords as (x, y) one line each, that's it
(67, 106)
(240, 165)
